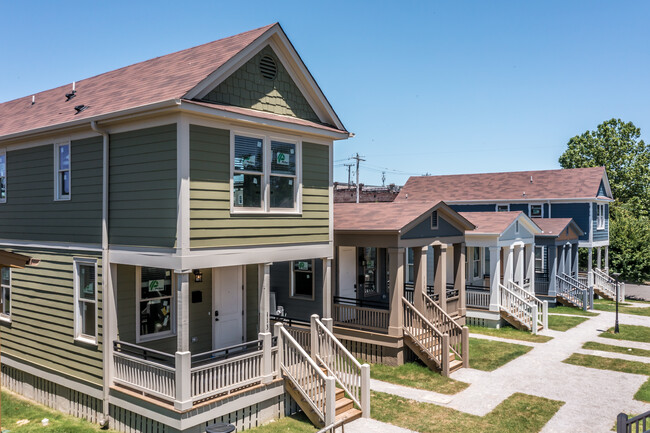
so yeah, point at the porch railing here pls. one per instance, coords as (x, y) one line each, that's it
(145, 370)
(426, 336)
(350, 313)
(607, 284)
(409, 289)
(477, 297)
(458, 341)
(636, 424)
(519, 308)
(353, 377)
(571, 292)
(299, 329)
(542, 306)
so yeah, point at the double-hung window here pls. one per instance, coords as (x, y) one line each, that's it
(5, 301)
(85, 287)
(265, 174)
(539, 259)
(155, 303)
(600, 217)
(3, 177)
(476, 262)
(536, 211)
(410, 271)
(303, 279)
(62, 171)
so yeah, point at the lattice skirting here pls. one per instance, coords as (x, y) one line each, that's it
(52, 395)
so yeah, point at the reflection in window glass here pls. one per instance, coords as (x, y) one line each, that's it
(247, 190)
(283, 158)
(249, 154)
(536, 211)
(282, 192)
(303, 278)
(63, 171)
(3, 177)
(156, 295)
(368, 270)
(86, 286)
(476, 262)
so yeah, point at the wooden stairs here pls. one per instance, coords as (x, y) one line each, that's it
(345, 410)
(420, 342)
(517, 320)
(604, 293)
(569, 301)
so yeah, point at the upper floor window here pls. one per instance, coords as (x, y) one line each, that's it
(600, 217)
(85, 287)
(62, 171)
(536, 211)
(503, 207)
(265, 174)
(154, 297)
(303, 279)
(3, 177)
(5, 300)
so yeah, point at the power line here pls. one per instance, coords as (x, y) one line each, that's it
(358, 159)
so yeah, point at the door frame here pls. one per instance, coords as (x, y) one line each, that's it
(242, 277)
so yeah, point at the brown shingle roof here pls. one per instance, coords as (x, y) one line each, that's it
(157, 80)
(490, 222)
(552, 227)
(546, 184)
(383, 216)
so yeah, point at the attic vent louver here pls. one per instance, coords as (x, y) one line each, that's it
(268, 68)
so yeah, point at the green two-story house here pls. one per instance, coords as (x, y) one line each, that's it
(155, 202)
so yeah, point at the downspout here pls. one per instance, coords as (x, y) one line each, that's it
(106, 278)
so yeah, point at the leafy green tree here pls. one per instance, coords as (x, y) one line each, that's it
(617, 146)
(630, 244)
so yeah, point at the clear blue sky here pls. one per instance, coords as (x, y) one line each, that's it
(437, 87)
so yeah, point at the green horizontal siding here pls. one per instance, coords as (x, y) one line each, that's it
(42, 316)
(212, 225)
(31, 213)
(143, 187)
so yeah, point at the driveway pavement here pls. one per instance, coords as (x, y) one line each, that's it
(637, 291)
(592, 397)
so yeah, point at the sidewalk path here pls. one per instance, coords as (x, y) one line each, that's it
(592, 397)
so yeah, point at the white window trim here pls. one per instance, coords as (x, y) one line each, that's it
(477, 264)
(3, 152)
(313, 282)
(600, 217)
(496, 207)
(542, 267)
(530, 210)
(265, 207)
(435, 227)
(138, 298)
(78, 336)
(3, 316)
(57, 196)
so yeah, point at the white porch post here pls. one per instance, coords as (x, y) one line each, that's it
(530, 265)
(576, 259)
(568, 267)
(590, 261)
(459, 276)
(495, 277)
(183, 400)
(562, 261)
(264, 303)
(606, 259)
(508, 271)
(598, 257)
(396, 290)
(552, 270)
(440, 277)
(327, 288)
(420, 277)
(519, 265)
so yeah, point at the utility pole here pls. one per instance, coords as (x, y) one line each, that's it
(349, 166)
(383, 178)
(358, 159)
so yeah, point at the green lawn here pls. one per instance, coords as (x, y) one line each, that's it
(592, 345)
(563, 309)
(510, 333)
(488, 355)
(623, 308)
(520, 413)
(562, 323)
(15, 408)
(601, 363)
(298, 423)
(416, 375)
(629, 332)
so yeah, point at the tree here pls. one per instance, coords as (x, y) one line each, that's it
(616, 146)
(630, 240)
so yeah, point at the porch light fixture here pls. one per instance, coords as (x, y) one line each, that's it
(198, 276)
(616, 275)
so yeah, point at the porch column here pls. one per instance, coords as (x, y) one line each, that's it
(590, 264)
(327, 288)
(519, 265)
(183, 400)
(495, 277)
(562, 261)
(568, 267)
(459, 276)
(508, 271)
(530, 266)
(552, 270)
(606, 259)
(598, 258)
(420, 277)
(440, 277)
(396, 290)
(576, 257)
(264, 271)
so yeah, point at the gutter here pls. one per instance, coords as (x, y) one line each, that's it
(106, 275)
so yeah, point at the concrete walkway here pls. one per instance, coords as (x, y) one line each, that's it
(592, 397)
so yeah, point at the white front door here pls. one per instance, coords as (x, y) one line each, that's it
(347, 272)
(228, 307)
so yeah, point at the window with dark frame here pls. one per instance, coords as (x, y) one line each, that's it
(535, 210)
(156, 304)
(63, 171)
(503, 208)
(303, 278)
(3, 177)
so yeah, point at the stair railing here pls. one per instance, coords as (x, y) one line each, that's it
(315, 387)
(349, 373)
(606, 283)
(433, 343)
(458, 335)
(542, 306)
(519, 308)
(572, 292)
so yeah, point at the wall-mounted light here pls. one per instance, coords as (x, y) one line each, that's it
(198, 276)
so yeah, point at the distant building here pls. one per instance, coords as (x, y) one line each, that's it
(344, 193)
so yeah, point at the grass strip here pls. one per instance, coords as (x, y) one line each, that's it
(488, 355)
(416, 375)
(510, 333)
(520, 413)
(629, 332)
(562, 323)
(623, 308)
(563, 309)
(592, 345)
(298, 423)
